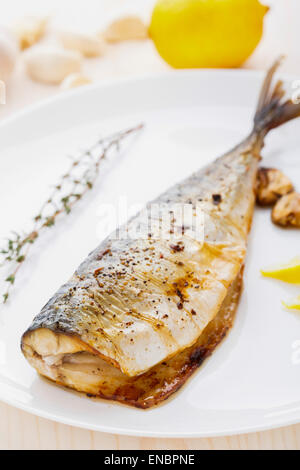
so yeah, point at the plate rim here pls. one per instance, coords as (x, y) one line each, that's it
(152, 434)
(64, 97)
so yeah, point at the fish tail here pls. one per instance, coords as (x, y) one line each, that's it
(272, 109)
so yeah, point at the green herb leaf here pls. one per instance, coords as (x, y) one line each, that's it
(50, 221)
(11, 279)
(72, 186)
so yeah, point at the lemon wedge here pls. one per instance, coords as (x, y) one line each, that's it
(293, 304)
(289, 272)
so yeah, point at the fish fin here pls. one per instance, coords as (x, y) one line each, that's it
(272, 110)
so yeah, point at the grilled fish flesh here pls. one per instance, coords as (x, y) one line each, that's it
(142, 313)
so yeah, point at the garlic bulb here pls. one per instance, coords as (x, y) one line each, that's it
(30, 30)
(127, 28)
(75, 80)
(87, 44)
(51, 65)
(8, 55)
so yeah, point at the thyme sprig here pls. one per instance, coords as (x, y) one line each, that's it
(72, 187)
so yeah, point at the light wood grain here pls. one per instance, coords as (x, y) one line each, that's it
(20, 430)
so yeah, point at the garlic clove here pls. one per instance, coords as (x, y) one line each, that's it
(30, 30)
(125, 29)
(51, 65)
(87, 44)
(8, 55)
(75, 80)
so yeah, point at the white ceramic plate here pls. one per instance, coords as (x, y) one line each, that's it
(252, 382)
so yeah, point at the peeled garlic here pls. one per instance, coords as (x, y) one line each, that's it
(8, 55)
(75, 80)
(30, 30)
(51, 65)
(87, 44)
(127, 28)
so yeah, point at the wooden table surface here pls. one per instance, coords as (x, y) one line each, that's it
(20, 430)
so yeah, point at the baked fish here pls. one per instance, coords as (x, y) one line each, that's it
(142, 312)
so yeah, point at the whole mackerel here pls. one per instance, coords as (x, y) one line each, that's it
(141, 314)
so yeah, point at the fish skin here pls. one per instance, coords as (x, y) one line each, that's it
(92, 375)
(111, 302)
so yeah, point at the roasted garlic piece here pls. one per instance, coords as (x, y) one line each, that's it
(271, 185)
(286, 212)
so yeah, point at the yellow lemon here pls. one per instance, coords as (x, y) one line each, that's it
(289, 272)
(293, 304)
(207, 33)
